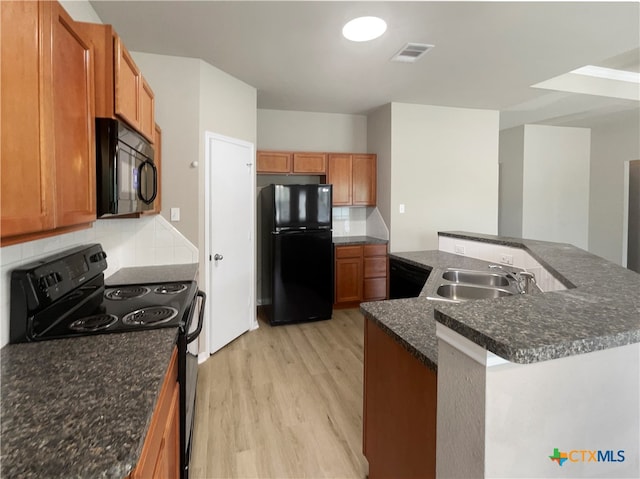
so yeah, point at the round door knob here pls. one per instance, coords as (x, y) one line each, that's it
(218, 257)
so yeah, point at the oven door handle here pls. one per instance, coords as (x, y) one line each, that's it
(196, 333)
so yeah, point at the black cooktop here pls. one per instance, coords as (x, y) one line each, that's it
(64, 296)
(95, 309)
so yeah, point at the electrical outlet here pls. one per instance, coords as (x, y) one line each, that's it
(459, 249)
(346, 227)
(175, 214)
(401, 208)
(506, 259)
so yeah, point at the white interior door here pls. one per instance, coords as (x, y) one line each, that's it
(230, 239)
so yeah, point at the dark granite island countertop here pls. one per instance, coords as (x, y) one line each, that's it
(80, 407)
(600, 310)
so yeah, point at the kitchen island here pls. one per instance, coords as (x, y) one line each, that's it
(81, 407)
(526, 362)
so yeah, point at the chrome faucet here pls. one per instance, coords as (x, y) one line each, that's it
(524, 279)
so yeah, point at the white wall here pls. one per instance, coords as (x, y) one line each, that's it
(613, 142)
(379, 141)
(310, 131)
(498, 419)
(510, 189)
(460, 429)
(176, 84)
(444, 169)
(193, 97)
(555, 204)
(81, 11)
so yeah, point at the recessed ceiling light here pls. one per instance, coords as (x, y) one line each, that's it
(608, 73)
(363, 29)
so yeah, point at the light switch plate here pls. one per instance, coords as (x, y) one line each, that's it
(175, 214)
(506, 259)
(401, 208)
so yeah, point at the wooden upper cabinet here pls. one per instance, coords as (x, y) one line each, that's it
(274, 162)
(127, 85)
(26, 164)
(147, 111)
(73, 122)
(340, 175)
(353, 177)
(47, 158)
(287, 162)
(364, 180)
(121, 90)
(310, 163)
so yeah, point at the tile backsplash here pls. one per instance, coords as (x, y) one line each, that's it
(349, 221)
(128, 242)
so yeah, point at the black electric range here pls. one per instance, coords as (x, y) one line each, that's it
(65, 296)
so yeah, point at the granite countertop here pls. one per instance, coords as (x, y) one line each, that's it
(411, 321)
(154, 274)
(357, 240)
(80, 407)
(599, 310)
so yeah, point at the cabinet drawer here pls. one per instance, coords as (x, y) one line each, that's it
(375, 289)
(375, 267)
(348, 252)
(375, 250)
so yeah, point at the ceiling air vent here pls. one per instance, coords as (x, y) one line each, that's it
(411, 52)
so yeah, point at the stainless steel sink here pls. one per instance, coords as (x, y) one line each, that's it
(466, 292)
(476, 277)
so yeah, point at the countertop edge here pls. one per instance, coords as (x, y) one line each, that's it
(420, 356)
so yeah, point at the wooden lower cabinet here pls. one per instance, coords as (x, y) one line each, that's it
(399, 414)
(376, 267)
(348, 270)
(160, 457)
(361, 274)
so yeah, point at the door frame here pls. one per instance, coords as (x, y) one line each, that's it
(209, 137)
(625, 210)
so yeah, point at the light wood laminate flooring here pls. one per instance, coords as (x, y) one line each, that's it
(283, 402)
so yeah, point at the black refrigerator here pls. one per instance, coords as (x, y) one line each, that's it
(297, 253)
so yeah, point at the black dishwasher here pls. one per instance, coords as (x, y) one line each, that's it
(406, 280)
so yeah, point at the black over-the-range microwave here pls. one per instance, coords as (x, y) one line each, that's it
(127, 177)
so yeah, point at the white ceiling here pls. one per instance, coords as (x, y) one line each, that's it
(487, 54)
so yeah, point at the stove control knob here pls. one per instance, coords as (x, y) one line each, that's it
(94, 258)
